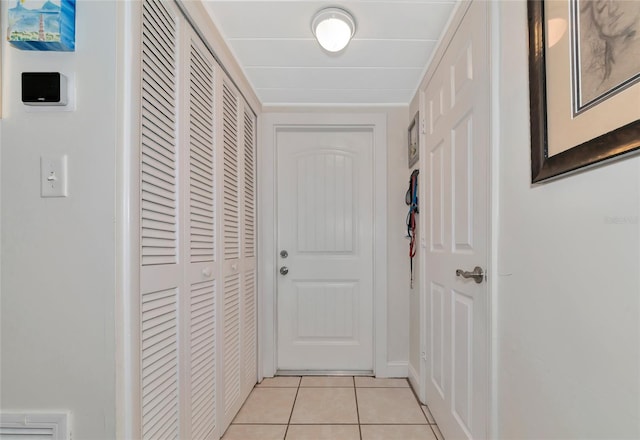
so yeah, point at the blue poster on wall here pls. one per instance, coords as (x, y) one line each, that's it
(43, 25)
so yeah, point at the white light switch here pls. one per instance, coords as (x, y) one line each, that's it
(53, 176)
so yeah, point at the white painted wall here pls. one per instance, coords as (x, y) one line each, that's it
(398, 274)
(568, 300)
(58, 255)
(397, 245)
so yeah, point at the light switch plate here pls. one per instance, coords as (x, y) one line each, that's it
(53, 176)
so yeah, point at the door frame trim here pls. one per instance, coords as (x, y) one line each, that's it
(269, 124)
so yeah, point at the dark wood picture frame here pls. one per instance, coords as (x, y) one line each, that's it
(605, 147)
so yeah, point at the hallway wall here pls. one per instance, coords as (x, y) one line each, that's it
(58, 254)
(568, 298)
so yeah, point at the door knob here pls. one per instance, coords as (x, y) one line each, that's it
(284, 270)
(477, 274)
(284, 254)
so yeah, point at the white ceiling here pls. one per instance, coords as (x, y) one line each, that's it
(383, 64)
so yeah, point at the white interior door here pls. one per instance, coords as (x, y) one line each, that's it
(456, 193)
(325, 226)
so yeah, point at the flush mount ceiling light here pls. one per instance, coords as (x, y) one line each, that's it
(333, 28)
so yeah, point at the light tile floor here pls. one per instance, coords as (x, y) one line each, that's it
(333, 408)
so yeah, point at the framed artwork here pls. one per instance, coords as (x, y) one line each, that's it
(1, 44)
(413, 145)
(584, 83)
(48, 25)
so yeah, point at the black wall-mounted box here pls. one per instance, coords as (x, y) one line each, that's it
(44, 88)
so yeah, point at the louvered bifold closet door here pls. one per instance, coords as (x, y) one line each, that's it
(202, 270)
(160, 236)
(232, 397)
(238, 314)
(249, 335)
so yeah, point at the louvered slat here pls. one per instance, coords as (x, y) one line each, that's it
(249, 333)
(158, 176)
(202, 200)
(159, 365)
(231, 351)
(249, 230)
(202, 334)
(230, 174)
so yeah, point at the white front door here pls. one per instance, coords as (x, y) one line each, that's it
(325, 242)
(457, 228)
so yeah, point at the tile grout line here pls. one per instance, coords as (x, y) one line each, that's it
(434, 432)
(420, 405)
(355, 392)
(286, 431)
(429, 419)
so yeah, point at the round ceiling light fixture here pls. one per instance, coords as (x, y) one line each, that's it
(333, 28)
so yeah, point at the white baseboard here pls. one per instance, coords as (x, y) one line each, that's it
(414, 380)
(397, 369)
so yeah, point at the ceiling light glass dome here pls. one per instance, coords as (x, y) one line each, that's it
(333, 28)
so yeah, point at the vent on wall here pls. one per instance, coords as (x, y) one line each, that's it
(34, 426)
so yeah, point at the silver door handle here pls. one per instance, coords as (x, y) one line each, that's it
(284, 270)
(477, 274)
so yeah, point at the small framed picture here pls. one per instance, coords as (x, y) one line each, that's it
(48, 25)
(413, 148)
